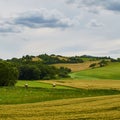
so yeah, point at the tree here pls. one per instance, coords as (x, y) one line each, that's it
(47, 72)
(102, 63)
(8, 74)
(29, 72)
(93, 65)
(118, 59)
(63, 72)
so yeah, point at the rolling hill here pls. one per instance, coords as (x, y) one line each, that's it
(111, 71)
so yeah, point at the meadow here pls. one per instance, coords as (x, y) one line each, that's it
(20, 95)
(111, 71)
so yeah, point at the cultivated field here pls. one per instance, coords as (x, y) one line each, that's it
(93, 108)
(88, 84)
(76, 66)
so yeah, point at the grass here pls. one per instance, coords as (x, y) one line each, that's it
(38, 84)
(111, 71)
(18, 95)
(91, 108)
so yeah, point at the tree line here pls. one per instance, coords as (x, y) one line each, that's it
(11, 71)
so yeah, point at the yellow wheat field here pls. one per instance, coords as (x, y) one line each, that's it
(94, 108)
(88, 84)
(76, 66)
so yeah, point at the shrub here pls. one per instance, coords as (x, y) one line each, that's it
(8, 74)
(93, 65)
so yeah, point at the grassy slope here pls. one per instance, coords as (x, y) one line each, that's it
(94, 108)
(112, 71)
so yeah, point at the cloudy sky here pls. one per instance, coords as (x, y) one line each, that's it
(64, 27)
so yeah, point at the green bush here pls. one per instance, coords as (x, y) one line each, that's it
(29, 72)
(8, 74)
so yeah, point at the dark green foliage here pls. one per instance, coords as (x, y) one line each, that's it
(76, 59)
(47, 72)
(114, 60)
(8, 74)
(118, 59)
(102, 63)
(29, 72)
(1, 60)
(63, 72)
(93, 65)
(49, 59)
(52, 59)
(92, 58)
(36, 71)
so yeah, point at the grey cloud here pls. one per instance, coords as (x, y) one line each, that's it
(8, 28)
(111, 5)
(115, 6)
(70, 1)
(43, 18)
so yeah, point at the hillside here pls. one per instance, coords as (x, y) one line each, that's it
(51, 67)
(111, 71)
(76, 66)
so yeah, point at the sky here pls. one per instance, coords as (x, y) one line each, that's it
(61, 27)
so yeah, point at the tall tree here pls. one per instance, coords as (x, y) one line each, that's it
(8, 74)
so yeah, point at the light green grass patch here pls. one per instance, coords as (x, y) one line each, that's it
(38, 84)
(111, 71)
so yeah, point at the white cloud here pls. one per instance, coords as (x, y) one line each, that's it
(95, 23)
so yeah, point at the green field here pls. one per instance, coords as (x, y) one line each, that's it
(18, 95)
(111, 71)
(38, 84)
